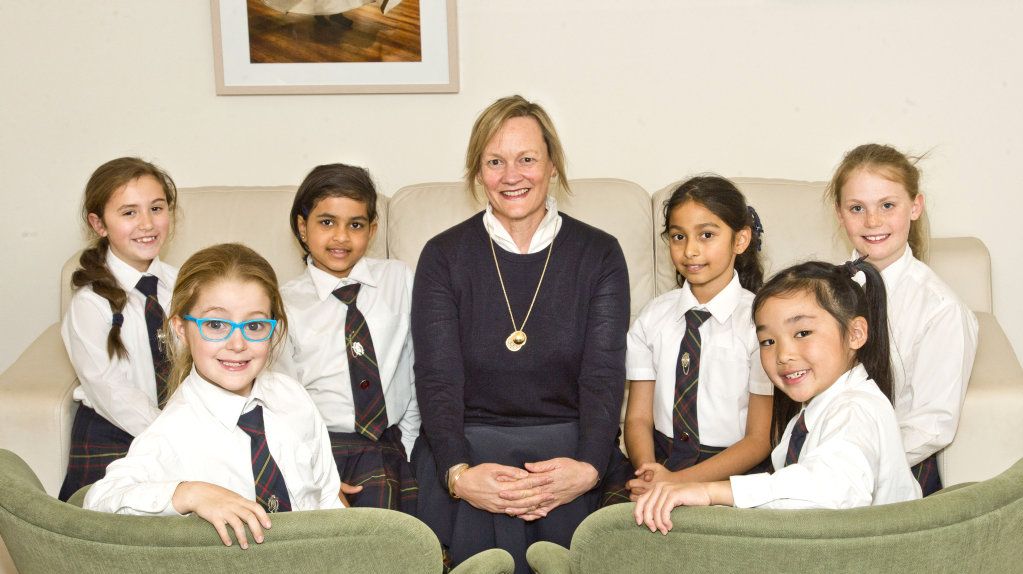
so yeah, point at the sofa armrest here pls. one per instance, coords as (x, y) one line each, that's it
(493, 561)
(549, 558)
(990, 435)
(36, 407)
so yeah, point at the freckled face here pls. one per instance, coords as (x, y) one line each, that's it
(337, 232)
(231, 364)
(876, 213)
(516, 172)
(802, 346)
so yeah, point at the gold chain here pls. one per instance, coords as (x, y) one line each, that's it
(505, 291)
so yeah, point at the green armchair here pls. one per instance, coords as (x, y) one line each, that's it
(969, 528)
(45, 535)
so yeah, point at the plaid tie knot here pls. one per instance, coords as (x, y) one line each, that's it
(347, 294)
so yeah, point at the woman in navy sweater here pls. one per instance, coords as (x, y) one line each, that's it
(519, 321)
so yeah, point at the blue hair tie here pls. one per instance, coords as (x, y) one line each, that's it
(758, 227)
(118, 320)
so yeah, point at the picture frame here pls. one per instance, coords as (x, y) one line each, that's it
(236, 33)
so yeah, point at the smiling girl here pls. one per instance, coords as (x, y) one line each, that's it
(876, 193)
(699, 401)
(824, 344)
(235, 441)
(111, 325)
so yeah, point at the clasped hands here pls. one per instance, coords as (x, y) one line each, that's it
(529, 493)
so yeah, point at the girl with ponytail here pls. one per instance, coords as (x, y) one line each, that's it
(824, 343)
(699, 402)
(113, 323)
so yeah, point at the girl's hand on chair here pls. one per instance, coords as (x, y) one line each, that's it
(348, 489)
(654, 507)
(647, 474)
(222, 508)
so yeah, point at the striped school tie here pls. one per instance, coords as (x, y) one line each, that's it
(370, 410)
(271, 491)
(685, 422)
(796, 440)
(154, 322)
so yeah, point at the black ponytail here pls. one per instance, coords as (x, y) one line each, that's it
(724, 200)
(843, 298)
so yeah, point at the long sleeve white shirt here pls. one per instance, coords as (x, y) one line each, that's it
(852, 455)
(314, 353)
(934, 342)
(123, 391)
(197, 438)
(730, 367)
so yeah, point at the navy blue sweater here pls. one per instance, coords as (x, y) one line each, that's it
(572, 368)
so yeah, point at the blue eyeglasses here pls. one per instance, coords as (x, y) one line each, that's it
(253, 330)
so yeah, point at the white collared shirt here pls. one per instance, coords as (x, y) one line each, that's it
(852, 455)
(542, 237)
(123, 391)
(197, 437)
(730, 367)
(934, 342)
(315, 354)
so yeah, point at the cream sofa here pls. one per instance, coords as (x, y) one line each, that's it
(36, 409)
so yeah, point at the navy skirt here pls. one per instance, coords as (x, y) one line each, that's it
(95, 443)
(926, 473)
(380, 467)
(465, 530)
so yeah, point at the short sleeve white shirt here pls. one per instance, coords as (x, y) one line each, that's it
(197, 437)
(730, 367)
(123, 391)
(852, 455)
(315, 354)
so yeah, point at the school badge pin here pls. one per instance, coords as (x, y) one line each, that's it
(272, 504)
(685, 363)
(357, 349)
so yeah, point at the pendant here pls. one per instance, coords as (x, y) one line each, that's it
(685, 363)
(515, 341)
(272, 504)
(357, 349)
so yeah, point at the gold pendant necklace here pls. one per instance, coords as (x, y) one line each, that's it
(517, 339)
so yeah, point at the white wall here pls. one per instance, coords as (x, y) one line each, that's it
(649, 90)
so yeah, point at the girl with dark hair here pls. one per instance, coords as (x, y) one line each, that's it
(111, 328)
(699, 402)
(824, 343)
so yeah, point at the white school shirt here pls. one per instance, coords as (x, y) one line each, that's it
(315, 354)
(852, 455)
(542, 237)
(123, 391)
(197, 437)
(934, 342)
(730, 367)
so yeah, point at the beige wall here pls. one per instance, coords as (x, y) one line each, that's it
(649, 91)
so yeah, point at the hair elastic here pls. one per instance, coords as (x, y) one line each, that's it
(758, 227)
(853, 267)
(118, 320)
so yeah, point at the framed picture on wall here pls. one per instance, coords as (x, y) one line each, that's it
(335, 46)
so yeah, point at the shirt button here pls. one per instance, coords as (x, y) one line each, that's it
(364, 384)
(684, 436)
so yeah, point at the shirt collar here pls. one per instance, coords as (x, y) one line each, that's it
(544, 235)
(226, 406)
(325, 283)
(894, 272)
(820, 403)
(721, 306)
(128, 277)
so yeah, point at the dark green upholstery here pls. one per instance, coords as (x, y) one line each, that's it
(45, 535)
(971, 528)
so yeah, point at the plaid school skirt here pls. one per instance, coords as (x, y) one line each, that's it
(926, 473)
(380, 467)
(95, 443)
